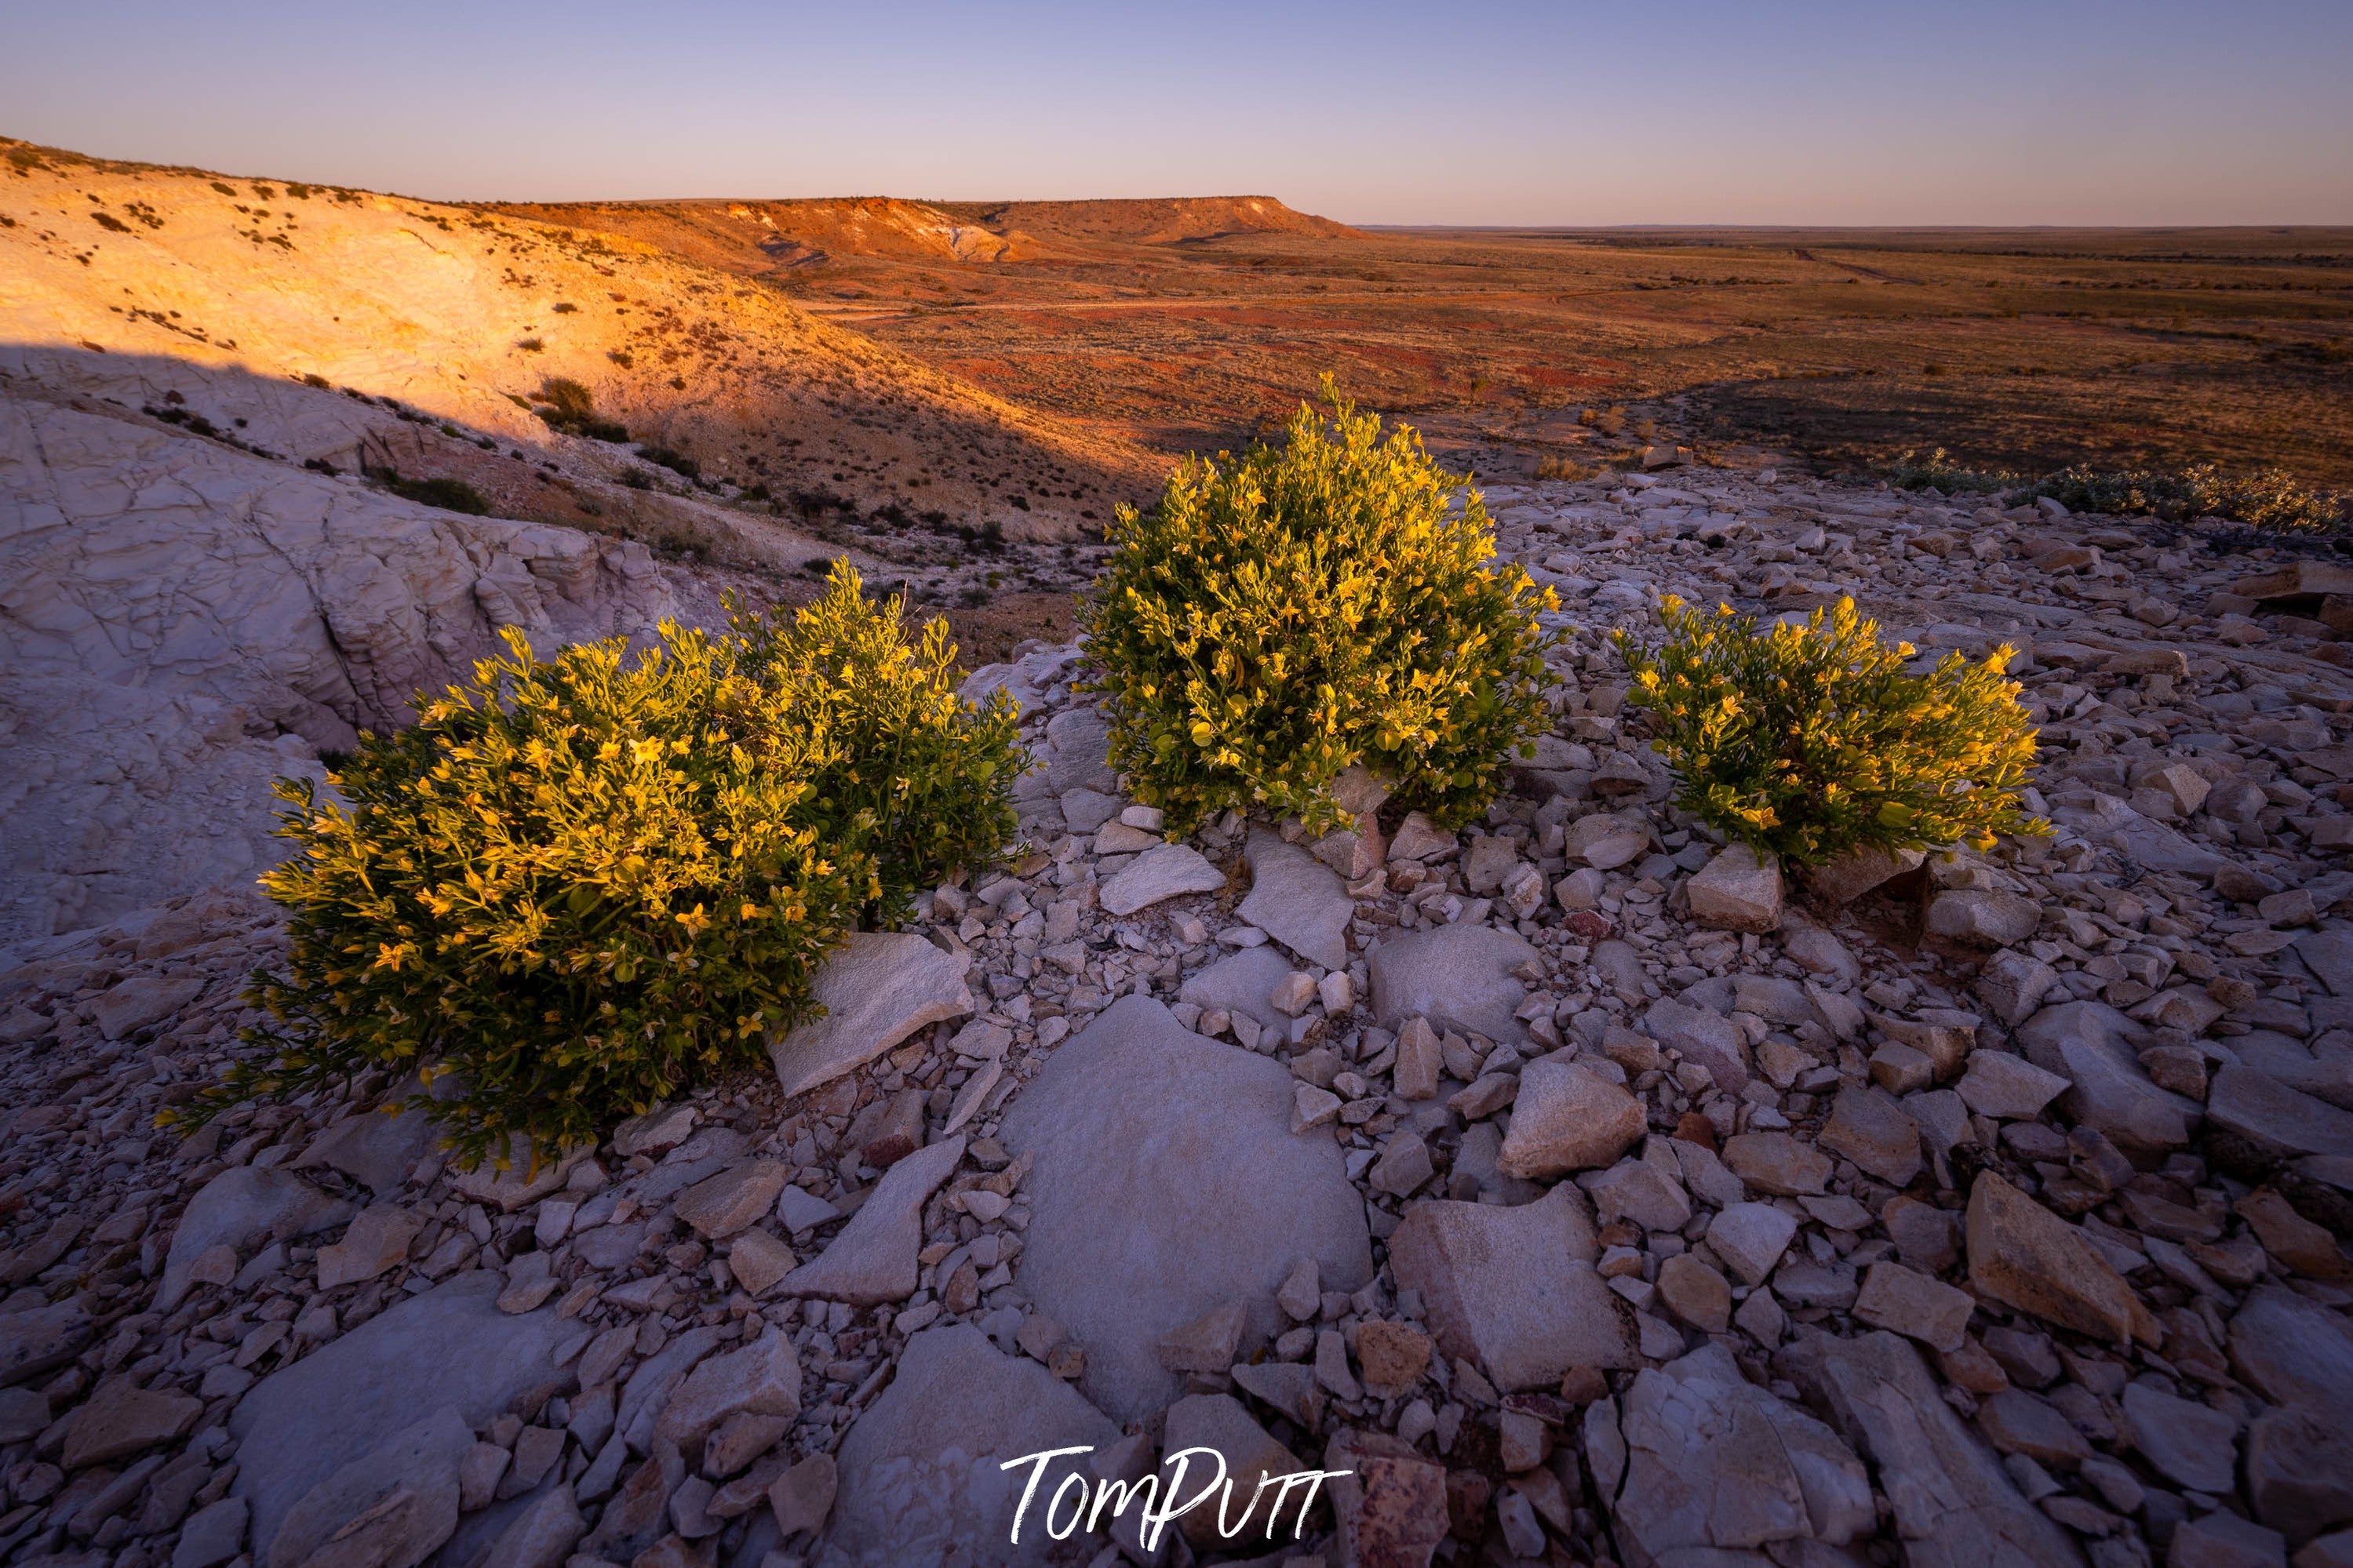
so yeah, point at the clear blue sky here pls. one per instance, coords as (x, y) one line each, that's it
(1478, 111)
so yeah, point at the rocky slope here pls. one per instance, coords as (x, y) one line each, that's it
(136, 283)
(1585, 1192)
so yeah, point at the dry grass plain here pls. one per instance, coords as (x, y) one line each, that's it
(2023, 350)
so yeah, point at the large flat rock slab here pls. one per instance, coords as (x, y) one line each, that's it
(878, 988)
(1513, 1289)
(921, 1486)
(1296, 900)
(1168, 1183)
(1457, 976)
(449, 1347)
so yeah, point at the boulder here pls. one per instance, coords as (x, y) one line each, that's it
(762, 1378)
(2190, 1444)
(877, 988)
(449, 1347)
(37, 1339)
(1162, 872)
(1955, 1505)
(1738, 890)
(872, 1259)
(2023, 1256)
(1513, 1289)
(1567, 1117)
(1188, 1143)
(1605, 842)
(1297, 901)
(920, 1478)
(1908, 1302)
(720, 1205)
(2013, 984)
(1715, 1465)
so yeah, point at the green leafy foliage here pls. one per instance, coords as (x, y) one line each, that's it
(917, 774)
(581, 884)
(566, 405)
(1281, 617)
(1810, 742)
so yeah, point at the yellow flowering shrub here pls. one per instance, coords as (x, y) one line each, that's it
(1279, 617)
(582, 883)
(1808, 741)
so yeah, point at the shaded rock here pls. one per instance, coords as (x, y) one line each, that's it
(2292, 1351)
(872, 1259)
(1695, 1293)
(2013, 984)
(1457, 976)
(1703, 1036)
(1777, 1162)
(123, 1419)
(1079, 755)
(1982, 917)
(2223, 1540)
(1219, 1422)
(451, 1346)
(34, 1341)
(389, 1507)
(1393, 1357)
(723, 1205)
(2025, 1257)
(143, 999)
(237, 1208)
(2017, 1422)
(1955, 1505)
(1165, 871)
(877, 988)
(1567, 1117)
(1242, 983)
(2300, 1471)
(1914, 1305)
(1845, 880)
(1751, 1237)
(375, 1150)
(2008, 1087)
(1392, 1510)
(2093, 1045)
(1870, 1129)
(762, 1378)
(1189, 1141)
(517, 1173)
(1297, 901)
(1639, 1191)
(2193, 1444)
(1738, 890)
(1714, 1464)
(2279, 1122)
(918, 1477)
(1605, 842)
(1513, 1289)
(212, 1535)
(541, 1534)
(802, 1498)
(376, 1240)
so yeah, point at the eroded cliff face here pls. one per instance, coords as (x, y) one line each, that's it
(181, 622)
